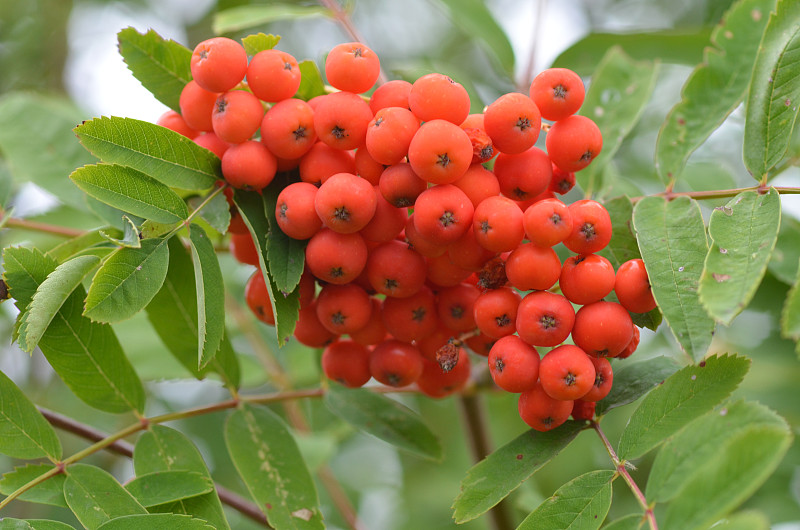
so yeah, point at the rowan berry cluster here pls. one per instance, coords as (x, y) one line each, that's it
(414, 248)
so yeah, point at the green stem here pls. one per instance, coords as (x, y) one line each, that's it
(622, 471)
(195, 212)
(718, 194)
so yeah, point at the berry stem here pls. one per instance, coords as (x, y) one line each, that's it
(622, 470)
(718, 194)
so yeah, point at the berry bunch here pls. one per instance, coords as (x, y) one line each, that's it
(419, 249)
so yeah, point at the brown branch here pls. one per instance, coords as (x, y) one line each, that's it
(33, 226)
(523, 85)
(718, 194)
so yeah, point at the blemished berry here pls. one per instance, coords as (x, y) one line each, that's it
(352, 67)
(273, 75)
(436, 383)
(514, 364)
(632, 287)
(558, 93)
(218, 64)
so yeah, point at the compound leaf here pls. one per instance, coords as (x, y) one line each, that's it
(383, 418)
(210, 295)
(684, 396)
(162, 487)
(580, 504)
(715, 87)
(493, 478)
(267, 458)
(216, 212)
(95, 497)
(743, 234)
(165, 155)
(24, 433)
(162, 66)
(774, 91)
(127, 281)
(131, 191)
(51, 491)
(672, 240)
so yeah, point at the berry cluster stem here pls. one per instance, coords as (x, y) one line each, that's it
(622, 471)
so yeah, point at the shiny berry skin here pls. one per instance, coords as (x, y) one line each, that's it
(218, 64)
(541, 412)
(586, 279)
(395, 363)
(273, 75)
(604, 378)
(573, 143)
(545, 318)
(514, 364)
(513, 122)
(558, 93)
(496, 312)
(602, 329)
(566, 373)
(633, 287)
(352, 66)
(591, 227)
(346, 362)
(256, 296)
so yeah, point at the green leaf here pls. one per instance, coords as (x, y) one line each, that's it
(38, 146)
(173, 314)
(790, 316)
(629, 522)
(51, 491)
(217, 212)
(743, 234)
(684, 396)
(71, 247)
(783, 263)
(151, 230)
(383, 418)
(616, 98)
(86, 355)
(131, 238)
(285, 256)
(311, 83)
(131, 191)
(477, 21)
(95, 497)
(670, 46)
(165, 155)
(162, 66)
(673, 244)
(251, 16)
(50, 296)
(623, 245)
(24, 433)
(260, 42)
(210, 295)
(156, 521)
(285, 307)
(685, 456)
(493, 478)
(127, 281)
(715, 87)
(8, 523)
(580, 504)
(162, 449)
(649, 320)
(161, 487)
(267, 459)
(736, 470)
(633, 380)
(750, 520)
(774, 91)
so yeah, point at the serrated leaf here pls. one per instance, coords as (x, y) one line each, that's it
(163, 449)
(127, 281)
(51, 491)
(616, 98)
(580, 504)
(774, 91)
(95, 497)
(217, 212)
(684, 396)
(736, 470)
(162, 66)
(311, 83)
(267, 459)
(8, 523)
(162, 487)
(493, 478)
(173, 314)
(383, 418)
(715, 87)
(85, 354)
(633, 521)
(24, 433)
(50, 296)
(260, 42)
(285, 306)
(151, 230)
(165, 155)
(131, 191)
(210, 295)
(623, 245)
(649, 320)
(673, 244)
(131, 238)
(251, 16)
(670, 46)
(684, 457)
(477, 21)
(743, 234)
(783, 262)
(71, 247)
(156, 521)
(633, 380)
(37, 143)
(285, 256)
